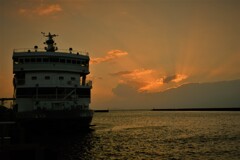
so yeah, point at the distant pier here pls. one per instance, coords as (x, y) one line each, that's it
(101, 110)
(197, 109)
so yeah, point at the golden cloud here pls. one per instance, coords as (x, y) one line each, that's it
(146, 80)
(179, 77)
(135, 74)
(43, 10)
(50, 9)
(111, 55)
(174, 78)
(152, 85)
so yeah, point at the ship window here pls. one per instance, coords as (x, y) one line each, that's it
(83, 63)
(33, 60)
(74, 62)
(68, 61)
(73, 78)
(15, 60)
(54, 59)
(47, 77)
(21, 61)
(45, 60)
(34, 78)
(62, 60)
(27, 60)
(39, 59)
(61, 78)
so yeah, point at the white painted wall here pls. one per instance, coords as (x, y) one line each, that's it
(69, 79)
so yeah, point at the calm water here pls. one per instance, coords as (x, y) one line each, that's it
(155, 135)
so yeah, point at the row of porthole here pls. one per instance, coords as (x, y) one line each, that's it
(48, 78)
(52, 59)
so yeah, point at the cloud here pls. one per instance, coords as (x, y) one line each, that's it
(50, 9)
(169, 79)
(222, 94)
(121, 73)
(43, 10)
(152, 85)
(147, 80)
(135, 74)
(111, 55)
(124, 90)
(163, 83)
(179, 77)
(174, 78)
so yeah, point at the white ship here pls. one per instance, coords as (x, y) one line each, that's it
(51, 87)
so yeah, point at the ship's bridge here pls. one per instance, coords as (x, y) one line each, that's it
(50, 78)
(35, 60)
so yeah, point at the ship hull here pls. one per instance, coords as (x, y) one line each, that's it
(63, 121)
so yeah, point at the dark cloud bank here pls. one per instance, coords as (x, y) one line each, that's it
(193, 95)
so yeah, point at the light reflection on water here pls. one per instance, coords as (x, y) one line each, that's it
(155, 135)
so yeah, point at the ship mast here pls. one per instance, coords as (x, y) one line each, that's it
(51, 45)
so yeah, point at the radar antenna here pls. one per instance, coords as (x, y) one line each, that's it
(51, 46)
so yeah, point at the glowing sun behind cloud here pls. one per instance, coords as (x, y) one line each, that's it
(147, 80)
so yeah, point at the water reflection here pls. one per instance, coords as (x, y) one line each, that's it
(149, 135)
(64, 145)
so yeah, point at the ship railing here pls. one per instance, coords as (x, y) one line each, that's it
(70, 94)
(56, 97)
(88, 84)
(47, 96)
(32, 50)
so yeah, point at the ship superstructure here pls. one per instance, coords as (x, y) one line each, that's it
(51, 86)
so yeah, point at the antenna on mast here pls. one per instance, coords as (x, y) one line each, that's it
(51, 46)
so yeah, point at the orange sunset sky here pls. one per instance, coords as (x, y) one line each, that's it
(147, 45)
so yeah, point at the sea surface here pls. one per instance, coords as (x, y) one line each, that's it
(154, 135)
